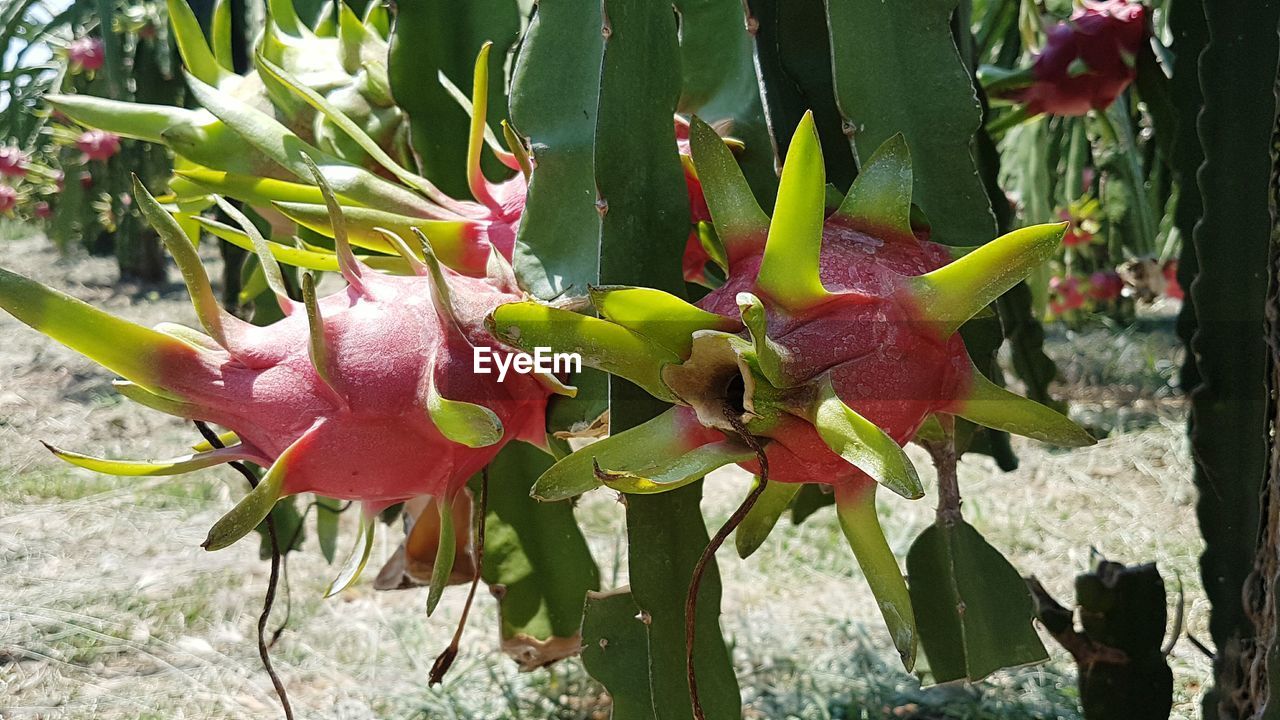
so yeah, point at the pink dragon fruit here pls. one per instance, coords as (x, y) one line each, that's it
(833, 340)
(98, 144)
(42, 210)
(8, 198)
(1086, 63)
(13, 162)
(367, 394)
(1172, 288)
(86, 53)
(1105, 286)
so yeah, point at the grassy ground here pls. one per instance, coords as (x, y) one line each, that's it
(109, 608)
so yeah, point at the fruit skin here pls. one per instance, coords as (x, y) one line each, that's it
(8, 198)
(86, 53)
(366, 433)
(1087, 61)
(1105, 286)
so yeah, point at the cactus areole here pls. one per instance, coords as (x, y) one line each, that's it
(834, 339)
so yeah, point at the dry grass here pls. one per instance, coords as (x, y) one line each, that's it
(109, 608)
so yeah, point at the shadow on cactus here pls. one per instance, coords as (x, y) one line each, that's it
(833, 340)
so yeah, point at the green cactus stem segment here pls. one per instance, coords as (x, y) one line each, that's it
(879, 202)
(763, 516)
(955, 292)
(856, 510)
(789, 270)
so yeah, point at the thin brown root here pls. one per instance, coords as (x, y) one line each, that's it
(695, 584)
(445, 659)
(272, 582)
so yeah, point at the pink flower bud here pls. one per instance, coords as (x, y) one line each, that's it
(86, 53)
(8, 198)
(98, 144)
(13, 162)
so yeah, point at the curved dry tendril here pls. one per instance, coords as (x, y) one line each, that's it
(269, 600)
(445, 659)
(695, 583)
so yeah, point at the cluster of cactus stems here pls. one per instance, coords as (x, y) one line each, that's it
(832, 341)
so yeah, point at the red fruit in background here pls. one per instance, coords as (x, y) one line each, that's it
(1077, 237)
(1065, 295)
(1172, 288)
(1087, 61)
(13, 162)
(98, 144)
(42, 210)
(86, 180)
(1105, 285)
(86, 53)
(8, 198)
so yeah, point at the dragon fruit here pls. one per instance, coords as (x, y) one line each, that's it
(98, 144)
(13, 162)
(1105, 286)
(86, 53)
(1087, 61)
(8, 198)
(42, 210)
(367, 394)
(833, 340)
